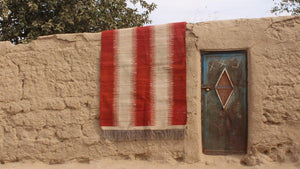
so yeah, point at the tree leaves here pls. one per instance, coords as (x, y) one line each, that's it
(24, 20)
(289, 6)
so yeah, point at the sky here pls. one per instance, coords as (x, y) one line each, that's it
(206, 10)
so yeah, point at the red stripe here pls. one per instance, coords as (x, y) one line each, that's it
(179, 108)
(143, 77)
(107, 81)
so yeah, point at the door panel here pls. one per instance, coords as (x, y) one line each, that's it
(224, 102)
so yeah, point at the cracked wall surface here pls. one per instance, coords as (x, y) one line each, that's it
(273, 49)
(49, 95)
(49, 99)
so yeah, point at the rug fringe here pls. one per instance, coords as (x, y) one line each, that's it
(127, 135)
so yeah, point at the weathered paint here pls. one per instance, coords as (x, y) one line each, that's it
(224, 113)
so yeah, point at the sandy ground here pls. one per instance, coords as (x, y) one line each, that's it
(217, 163)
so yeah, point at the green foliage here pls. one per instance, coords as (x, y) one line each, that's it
(289, 6)
(24, 20)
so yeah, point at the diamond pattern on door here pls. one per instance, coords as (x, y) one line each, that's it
(224, 88)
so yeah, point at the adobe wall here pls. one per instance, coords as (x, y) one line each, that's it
(273, 49)
(49, 95)
(49, 99)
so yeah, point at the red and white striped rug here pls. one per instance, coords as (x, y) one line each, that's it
(143, 82)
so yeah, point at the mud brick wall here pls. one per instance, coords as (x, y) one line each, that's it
(49, 95)
(49, 99)
(273, 49)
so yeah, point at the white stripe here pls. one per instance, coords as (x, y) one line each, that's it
(125, 86)
(161, 75)
(171, 43)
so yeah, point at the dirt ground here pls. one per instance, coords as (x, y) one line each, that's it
(212, 163)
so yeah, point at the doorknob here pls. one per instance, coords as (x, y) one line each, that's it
(206, 88)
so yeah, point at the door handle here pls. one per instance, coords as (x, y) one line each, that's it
(206, 88)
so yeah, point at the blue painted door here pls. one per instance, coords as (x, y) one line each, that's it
(224, 102)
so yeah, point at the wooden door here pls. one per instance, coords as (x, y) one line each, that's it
(224, 102)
